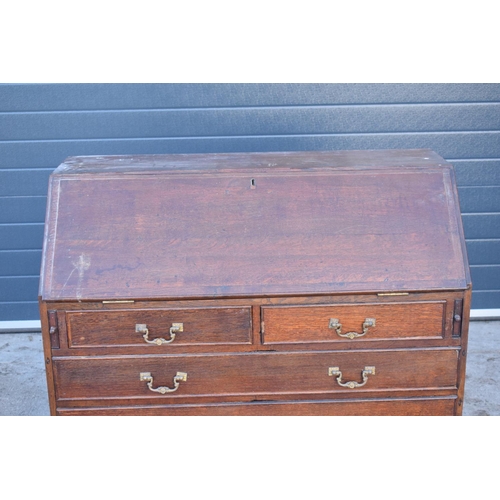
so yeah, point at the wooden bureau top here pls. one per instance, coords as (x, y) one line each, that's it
(301, 160)
(252, 224)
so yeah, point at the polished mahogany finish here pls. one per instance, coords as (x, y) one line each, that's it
(233, 280)
(290, 324)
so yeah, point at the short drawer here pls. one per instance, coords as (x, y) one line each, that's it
(159, 327)
(353, 322)
(255, 375)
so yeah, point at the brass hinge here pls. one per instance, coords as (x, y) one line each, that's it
(118, 301)
(392, 293)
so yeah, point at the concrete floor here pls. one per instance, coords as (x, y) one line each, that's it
(23, 388)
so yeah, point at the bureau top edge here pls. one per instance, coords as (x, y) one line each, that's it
(288, 160)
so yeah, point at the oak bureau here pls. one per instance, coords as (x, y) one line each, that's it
(291, 283)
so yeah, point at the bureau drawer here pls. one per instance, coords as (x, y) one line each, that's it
(262, 375)
(349, 407)
(159, 327)
(353, 322)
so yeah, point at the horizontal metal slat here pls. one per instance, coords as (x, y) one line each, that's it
(51, 154)
(18, 289)
(20, 263)
(43, 97)
(481, 226)
(22, 209)
(242, 122)
(486, 278)
(13, 311)
(479, 199)
(24, 182)
(483, 252)
(485, 300)
(477, 172)
(21, 237)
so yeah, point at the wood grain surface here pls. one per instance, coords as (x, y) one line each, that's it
(384, 407)
(200, 326)
(284, 324)
(254, 232)
(254, 254)
(263, 375)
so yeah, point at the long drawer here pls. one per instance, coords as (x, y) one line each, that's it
(263, 375)
(159, 327)
(399, 407)
(353, 322)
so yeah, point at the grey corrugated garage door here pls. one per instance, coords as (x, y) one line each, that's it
(40, 125)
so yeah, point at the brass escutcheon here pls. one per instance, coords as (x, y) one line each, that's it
(337, 326)
(335, 371)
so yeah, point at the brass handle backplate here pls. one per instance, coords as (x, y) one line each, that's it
(179, 377)
(176, 327)
(335, 371)
(335, 324)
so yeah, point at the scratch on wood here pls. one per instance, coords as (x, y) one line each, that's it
(81, 265)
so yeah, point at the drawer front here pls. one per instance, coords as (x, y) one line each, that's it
(395, 407)
(254, 374)
(230, 325)
(353, 322)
